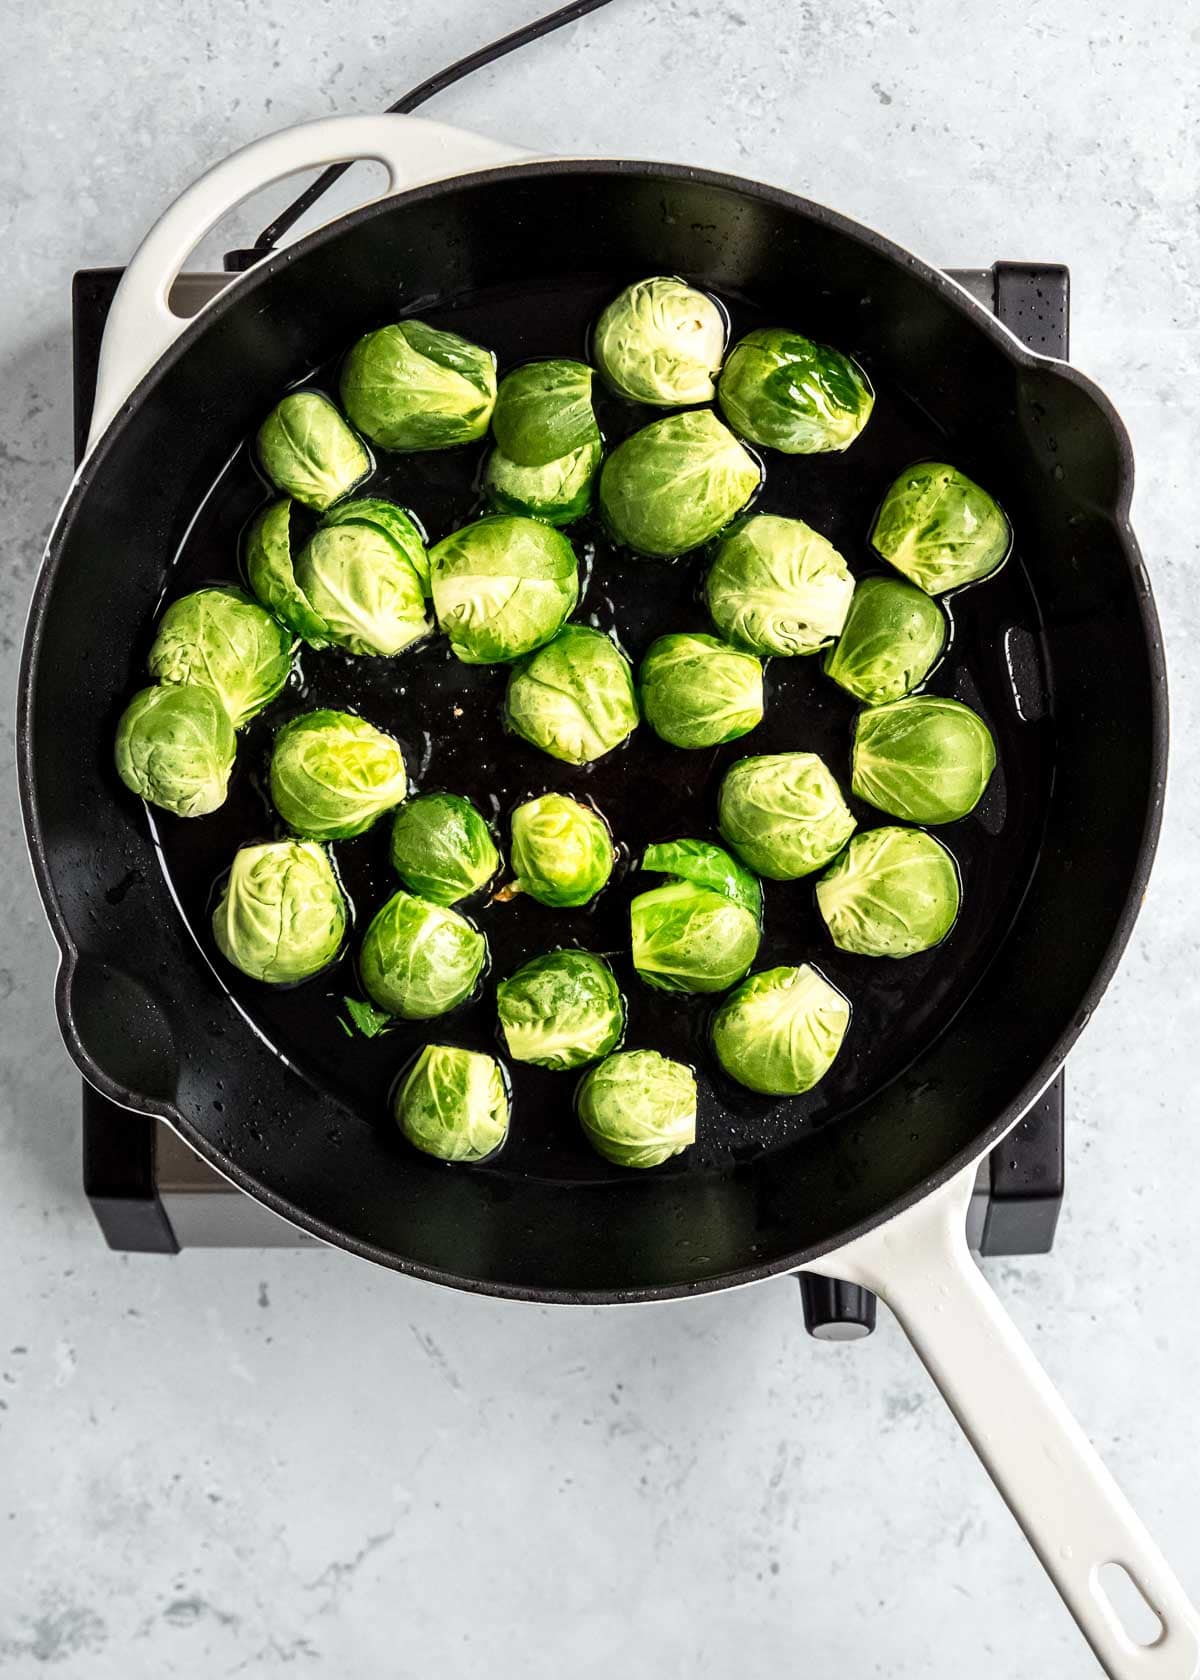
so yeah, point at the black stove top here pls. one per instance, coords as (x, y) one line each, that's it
(151, 1194)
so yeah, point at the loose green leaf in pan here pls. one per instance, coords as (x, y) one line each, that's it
(638, 1108)
(699, 692)
(441, 847)
(561, 1010)
(221, 639)
(783, 814)
(892, 892)
(574, 698)
(661, 342)
(419, 959)
(333, 774)
(175, 748)
(776, 586)
(307, 450)
(281, 916)
(675, 484)
(779, 389)
(940, 529)
(453, 1104)
(412, 387)
(780, 1031)
(925, 759)
(893, 636)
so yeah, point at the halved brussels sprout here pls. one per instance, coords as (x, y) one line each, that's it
(412, 387)
(333, 774)
(708, 866)
(675, 484)
(396, 523)
(221, 639)
(661, 341)
(689, 938)
(940, 529)
(502, 587)
(453, 1103)
(574, 698)
(281, 916)
(442, 848)
(638, 1108)
(893, 892)
(781, 390)
(926, 759)
(779, 1032)
(271, 574)
(175, 748)
(419, 959)
(363, 588)
(562, 851)
(558, 493)
(307, 450)
(561, 1010)
(893, 636)
(544, 411)
(783, 814)
(699, 692)
(778, 587)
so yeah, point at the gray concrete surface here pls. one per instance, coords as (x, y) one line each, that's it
(288, 1463)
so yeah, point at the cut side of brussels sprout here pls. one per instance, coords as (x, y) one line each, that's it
(708, 866)
(397, 524)
(776, 586)
(420, 959)
(893, 892)
(780, 1031)
(675, 484)
(562, 852)
(307, 450)
(574, 698)
(544, 411)
(688, 938)
(221, 639)
(412, 387)
(442, 849)
(893, 637)
(453, 1103)
(363, 589)
(561, 1010)
(558, 493)
(333, 774)
(281, 916)
(502, 587)
(661, 342)
(926, 759)
(699, 692)
(175, 748)
(781, 390)
(783, 814)
(940, 530)
(271, 574)
(638, 1108)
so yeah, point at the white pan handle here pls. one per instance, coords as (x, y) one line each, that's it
(1073, 1513)
(141, 325)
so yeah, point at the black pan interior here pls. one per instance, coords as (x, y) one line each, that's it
(523, 263)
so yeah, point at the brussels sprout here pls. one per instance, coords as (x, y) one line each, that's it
(410, 387)
(688, 938)
(363, 589)
(940, 529)
(927, 760)
(333, 774)
(442, 848)
(893, 892)
(699, 692)
(661, 342)
(893, 636)
(221, 639)
(558, 493)
(281, 915)
(307, 450)
(175, 748)
(778, 586)
(783, 814)
(396, 523)
(638, 1108)
(787, 393)
(708, 866)
(419, 959)
(502, 587)
(453, 1103)
(574, 698)
(272, 577)
(561, 1011)
(780, 1031)
(544, 411)
(675, 484)
(562, 851)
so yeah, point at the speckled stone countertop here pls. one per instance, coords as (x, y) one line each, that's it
(261, 1463)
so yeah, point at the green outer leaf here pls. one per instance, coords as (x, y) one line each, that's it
(675, 484)
(783, 391)
(891, 893)
(661, 341)
(638, 1108)
(221, 639)
(562, 851)
(307, 450)
(558, 493)
(544, 411)
(281, 916)
(561, 1010)
(270, 574)
(411, 387)
(780, 1031)
(333, 774)
(453, 1104)
(688, 938)
(776, 586)
(367, 595)
(502, 586)
(420, 959)
(175, 748)
(708, 866)
(396, 523)
(940, 530)
(369, 1020)
(925, 759)
(698, 692)
(783, 814)
(442, 848)
(893, 636)
(574, 698)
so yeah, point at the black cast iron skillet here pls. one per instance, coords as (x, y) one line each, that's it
(1061, 652)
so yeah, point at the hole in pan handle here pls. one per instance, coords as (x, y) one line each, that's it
(1070, 1508)
(141, 325)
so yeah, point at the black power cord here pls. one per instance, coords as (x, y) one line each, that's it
(237, 261)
